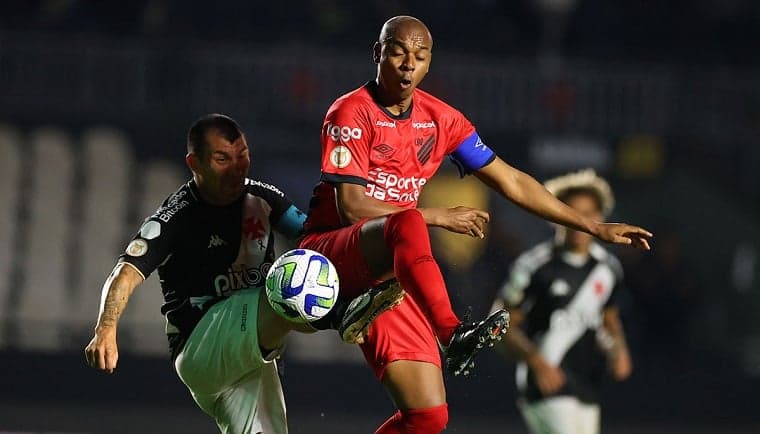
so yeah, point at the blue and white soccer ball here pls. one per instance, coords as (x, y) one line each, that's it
(302, 285)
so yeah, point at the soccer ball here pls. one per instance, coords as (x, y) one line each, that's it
(302, 285)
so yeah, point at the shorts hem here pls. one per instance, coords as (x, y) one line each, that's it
(411, 356)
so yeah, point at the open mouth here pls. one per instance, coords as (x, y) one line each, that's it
(405, 83)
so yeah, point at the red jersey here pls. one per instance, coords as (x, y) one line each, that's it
(393, 156)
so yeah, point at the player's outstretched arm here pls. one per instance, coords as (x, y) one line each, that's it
(355, 205)
(102, 352)
(525, 191)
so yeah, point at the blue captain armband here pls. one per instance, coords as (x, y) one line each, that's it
(472, 154)
(291, 222)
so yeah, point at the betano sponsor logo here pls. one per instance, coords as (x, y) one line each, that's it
(261, 184)
(343, 134)
(391, 187)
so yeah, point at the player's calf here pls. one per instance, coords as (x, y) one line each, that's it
(417, 421)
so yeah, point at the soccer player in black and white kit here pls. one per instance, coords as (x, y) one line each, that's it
(212, 242)
(566, 330)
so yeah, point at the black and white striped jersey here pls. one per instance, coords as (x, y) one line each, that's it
(563, 296)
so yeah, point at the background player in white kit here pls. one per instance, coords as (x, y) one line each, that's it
(566, 330)
(212, 242)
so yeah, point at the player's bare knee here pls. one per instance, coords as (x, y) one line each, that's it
(415, 385)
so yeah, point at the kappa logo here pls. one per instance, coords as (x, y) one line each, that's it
(216, 241)
(343, 134)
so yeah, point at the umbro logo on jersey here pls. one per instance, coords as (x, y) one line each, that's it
(384, 150)
(216, 241)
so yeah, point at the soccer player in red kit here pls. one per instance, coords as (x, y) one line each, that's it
(380, 145)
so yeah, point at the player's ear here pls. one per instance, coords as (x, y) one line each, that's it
(376, 49)
(192, 161)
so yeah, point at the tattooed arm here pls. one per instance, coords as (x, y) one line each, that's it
(102, 352)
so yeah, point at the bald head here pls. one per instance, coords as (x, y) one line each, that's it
(402, 54)
(406, 27)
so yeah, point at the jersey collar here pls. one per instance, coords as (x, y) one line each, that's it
(372, 89)
(195, 192)
(576, 260)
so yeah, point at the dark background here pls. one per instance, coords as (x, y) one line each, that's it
(662, 98)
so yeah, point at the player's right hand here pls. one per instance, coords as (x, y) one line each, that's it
(620, 365)
(102, 352)
(464, 220)
(549, 378)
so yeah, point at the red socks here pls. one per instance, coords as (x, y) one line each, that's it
(416, 421)
(406, 234)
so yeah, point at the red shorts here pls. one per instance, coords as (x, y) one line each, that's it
(402, 333)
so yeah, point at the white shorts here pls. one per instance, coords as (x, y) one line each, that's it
(561, 415)
(222, 365)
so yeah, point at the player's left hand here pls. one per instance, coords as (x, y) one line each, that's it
(621, 365)
(464, 220)
(622, 233)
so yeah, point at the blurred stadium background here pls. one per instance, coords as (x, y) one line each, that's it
(663, 98)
